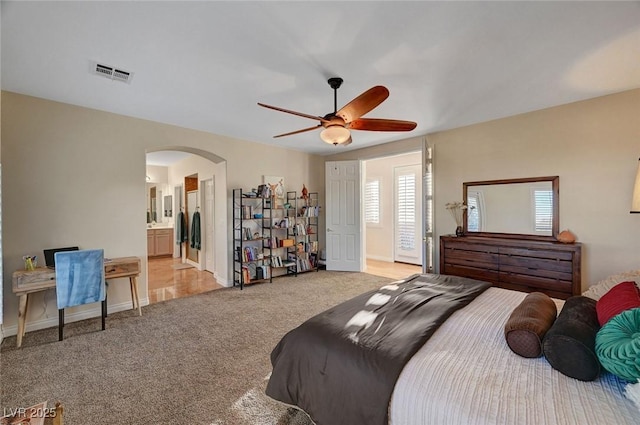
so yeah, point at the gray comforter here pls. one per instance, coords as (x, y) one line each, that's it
(341, 365)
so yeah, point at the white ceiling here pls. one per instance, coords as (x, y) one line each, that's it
(205, 65)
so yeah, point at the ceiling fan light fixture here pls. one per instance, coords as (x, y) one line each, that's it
(335, 135)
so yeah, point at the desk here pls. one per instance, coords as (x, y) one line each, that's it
(26, 282)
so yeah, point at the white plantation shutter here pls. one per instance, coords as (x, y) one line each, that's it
(543, 200)
(428, 259)
(407, 211)
(372, 202)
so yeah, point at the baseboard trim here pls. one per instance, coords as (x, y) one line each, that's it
(221, 280)
(50, 322)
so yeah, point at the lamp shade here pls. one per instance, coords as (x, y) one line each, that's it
(335, 135)
(635, 203)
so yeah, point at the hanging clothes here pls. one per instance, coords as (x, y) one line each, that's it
(195, 231)
(181, 228)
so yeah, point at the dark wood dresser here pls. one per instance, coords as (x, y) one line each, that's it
(522, 265)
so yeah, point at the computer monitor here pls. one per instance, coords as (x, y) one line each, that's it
(50, 255)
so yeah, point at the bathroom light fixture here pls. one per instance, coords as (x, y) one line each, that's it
(148, 178)
(635, 202)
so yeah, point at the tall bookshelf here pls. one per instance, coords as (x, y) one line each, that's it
(283, 246)
(252, 239)
(304, 231)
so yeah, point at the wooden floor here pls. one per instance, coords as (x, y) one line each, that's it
(167, 280)
(392, 270)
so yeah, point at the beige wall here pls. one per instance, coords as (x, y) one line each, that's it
(592, 145)
(74, 175)
(77, 176)
(412, 144)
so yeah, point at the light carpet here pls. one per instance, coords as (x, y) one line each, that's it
(196, 360)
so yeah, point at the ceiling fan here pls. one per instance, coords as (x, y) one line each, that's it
(337, 124)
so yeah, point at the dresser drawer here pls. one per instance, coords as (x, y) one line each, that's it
(517, 264)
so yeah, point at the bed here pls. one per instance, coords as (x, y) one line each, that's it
(463, 373)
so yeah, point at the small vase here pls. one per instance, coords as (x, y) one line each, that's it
(459, 231)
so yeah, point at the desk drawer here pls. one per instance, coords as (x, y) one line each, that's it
(122, 267)
(38, 279)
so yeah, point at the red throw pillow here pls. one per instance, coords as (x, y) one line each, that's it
(621, 297)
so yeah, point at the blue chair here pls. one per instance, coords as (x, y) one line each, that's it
(80, 280)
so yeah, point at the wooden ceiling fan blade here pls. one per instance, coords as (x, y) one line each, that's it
(380, 124)
(298, 131)
(300, 114)
(362, 104)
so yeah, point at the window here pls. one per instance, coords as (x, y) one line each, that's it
(407, 211)
(543, 204)
(372, 202)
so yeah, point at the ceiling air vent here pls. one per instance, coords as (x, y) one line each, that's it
(113, 73)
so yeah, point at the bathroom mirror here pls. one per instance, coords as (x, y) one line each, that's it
(153, 205)
(168, 206)
(525, 208)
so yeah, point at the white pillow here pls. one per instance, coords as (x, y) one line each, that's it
(632, 391)
(599, 289)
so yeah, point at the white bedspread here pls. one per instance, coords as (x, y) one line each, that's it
(466, 374)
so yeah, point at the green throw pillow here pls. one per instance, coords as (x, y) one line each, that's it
(618, 345)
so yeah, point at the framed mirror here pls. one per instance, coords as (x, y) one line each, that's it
(524, 208)
(153, 205)
(168, 206)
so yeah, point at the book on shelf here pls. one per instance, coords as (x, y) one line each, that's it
(247, 212)
(263, 272)
(273, 242)
(276, 261)
(300, 229)
(309, 211)
(264, 191)
(249, 253)
(246, 276)
(281, 223)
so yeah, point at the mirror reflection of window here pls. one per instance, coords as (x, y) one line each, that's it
(475, 211)
(543, 207)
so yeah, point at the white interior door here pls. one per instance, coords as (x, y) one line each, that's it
(408, 214)
(208, 219)
(343, 216)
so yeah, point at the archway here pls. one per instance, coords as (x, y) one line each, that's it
(208, 171)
